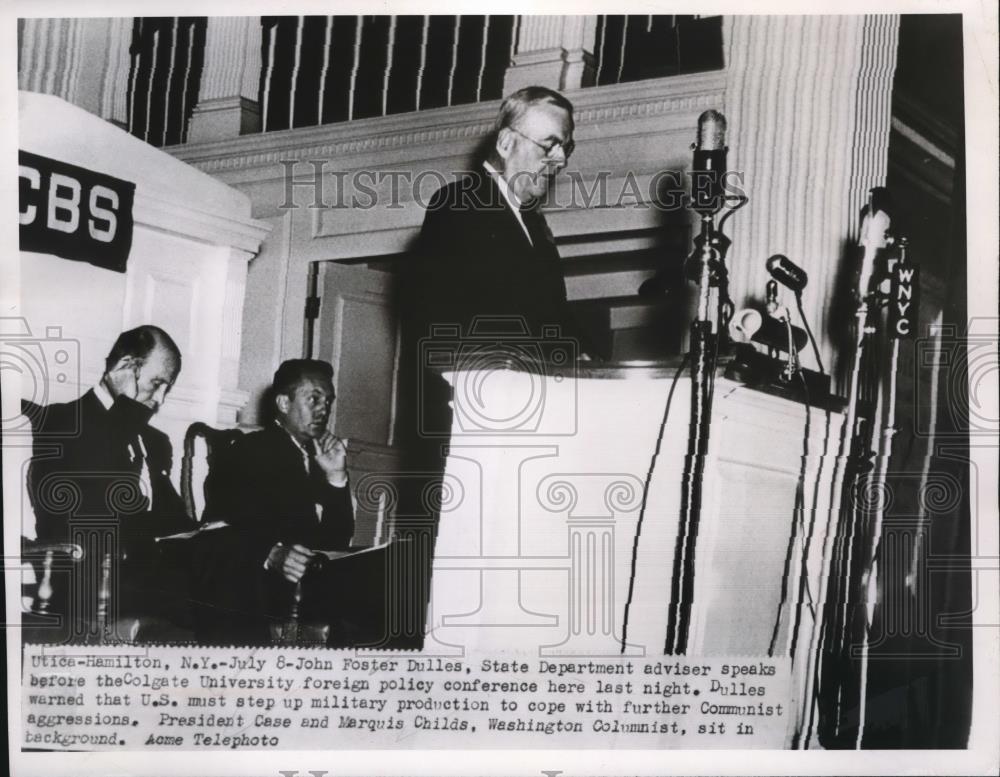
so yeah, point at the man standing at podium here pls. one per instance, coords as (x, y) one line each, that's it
(485, 249)
(486, 273)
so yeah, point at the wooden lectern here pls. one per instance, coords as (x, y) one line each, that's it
(541, 549)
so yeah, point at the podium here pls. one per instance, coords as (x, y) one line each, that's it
(558, 530)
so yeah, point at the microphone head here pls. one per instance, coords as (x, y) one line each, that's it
(771, 296)
(774, 261)
(787, 273)
(711, 131)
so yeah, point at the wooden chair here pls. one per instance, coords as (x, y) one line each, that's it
(43, 623)
(39, 621)
(195, 470)
(195, 467)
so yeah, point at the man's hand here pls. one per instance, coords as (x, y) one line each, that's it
(331, 456)
(291, 562)
(122, 379)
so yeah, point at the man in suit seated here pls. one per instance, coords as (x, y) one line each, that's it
(284, 493)
(100, 477)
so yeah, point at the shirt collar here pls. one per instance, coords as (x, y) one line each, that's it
(508, 194)
(103, 396)
(295, 442)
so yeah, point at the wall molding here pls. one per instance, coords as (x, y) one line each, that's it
(429, 134)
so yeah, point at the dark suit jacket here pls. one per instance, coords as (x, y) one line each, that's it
(82, 470)
(474, 259)
(260, 487)
(83, 482)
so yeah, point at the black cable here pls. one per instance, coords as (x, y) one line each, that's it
(645, 494)
(740, 201)
(797, 520)
(809, 331)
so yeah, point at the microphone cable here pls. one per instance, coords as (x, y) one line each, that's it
(798, 524)
(809, 331)
(645, 495)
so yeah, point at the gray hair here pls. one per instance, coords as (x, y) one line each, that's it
(519, 103)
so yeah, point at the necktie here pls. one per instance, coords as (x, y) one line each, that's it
(141, 469)
(538, 230)
(316, 476)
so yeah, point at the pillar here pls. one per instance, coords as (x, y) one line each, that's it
(227, 100)
(553, 51)
(808, 100)
(57, 56)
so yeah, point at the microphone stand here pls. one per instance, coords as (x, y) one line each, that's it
(839, 696)
(705, 265)
(880, 476)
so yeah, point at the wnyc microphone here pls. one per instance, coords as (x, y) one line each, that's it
(787, 273)
(708, 169)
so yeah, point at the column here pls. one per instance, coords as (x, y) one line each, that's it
(553, 51)
(114, 86)
(808, 101)
(227, 100)
(58, 56)
(592, 504)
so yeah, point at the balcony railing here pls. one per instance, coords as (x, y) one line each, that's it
(167, 58)
(633, 48)
(323, 69)
(316, 70)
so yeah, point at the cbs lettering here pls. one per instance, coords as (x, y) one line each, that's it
(70, 205)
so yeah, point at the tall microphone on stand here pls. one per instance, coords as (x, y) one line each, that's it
(706, 267)
(708, 196)
(708, 168)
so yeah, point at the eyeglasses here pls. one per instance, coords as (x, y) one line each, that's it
(548, 148)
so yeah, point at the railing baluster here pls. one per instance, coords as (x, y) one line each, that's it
(621, 61)
(75, 47)
(454, 58)
(272, 33)
(600, 48)
(296, 62)
(187, 80)
(354, 67)
(482, 58)
(55, 45)
(327, 35)
(170, 78)
(390, 43)
(513, 37)
(423, 58)
(152, 77)
(133, 78)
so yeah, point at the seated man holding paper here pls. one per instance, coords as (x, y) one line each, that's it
(100, 478)
(284, 493)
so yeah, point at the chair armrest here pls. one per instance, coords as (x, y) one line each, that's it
(31, 549)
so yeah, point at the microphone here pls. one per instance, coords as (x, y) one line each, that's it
(771, 297)
(708, 169)
(787, 273)
(749, 325)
